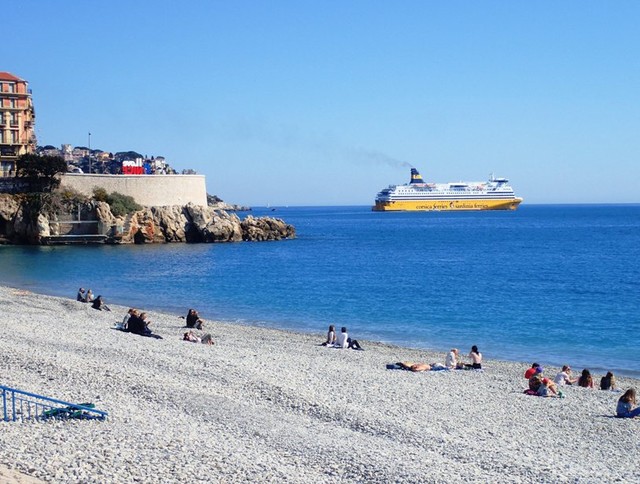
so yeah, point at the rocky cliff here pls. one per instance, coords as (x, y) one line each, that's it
(20, 223)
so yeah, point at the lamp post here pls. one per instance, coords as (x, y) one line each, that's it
(89, 152)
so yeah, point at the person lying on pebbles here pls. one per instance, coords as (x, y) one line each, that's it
(192, 337)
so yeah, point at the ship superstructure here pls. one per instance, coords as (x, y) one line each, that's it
(494, 194)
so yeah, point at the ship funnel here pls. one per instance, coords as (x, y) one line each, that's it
(415, 176)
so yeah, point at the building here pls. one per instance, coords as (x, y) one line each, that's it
(17, 117)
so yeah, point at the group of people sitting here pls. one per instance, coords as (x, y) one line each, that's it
(541, 386)
(452, 361)
(96, 302)
(136, 322)
(341, 340)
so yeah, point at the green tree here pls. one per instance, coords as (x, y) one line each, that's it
(41, 172)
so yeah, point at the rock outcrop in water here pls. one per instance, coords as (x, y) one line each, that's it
(21, 223)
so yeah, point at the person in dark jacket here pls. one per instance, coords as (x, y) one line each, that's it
(193, 319)
(99, 304)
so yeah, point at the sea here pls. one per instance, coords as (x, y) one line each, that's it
(556, 284)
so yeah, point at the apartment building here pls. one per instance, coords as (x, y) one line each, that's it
(17, 135)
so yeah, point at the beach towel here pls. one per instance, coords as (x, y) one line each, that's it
(69, 412)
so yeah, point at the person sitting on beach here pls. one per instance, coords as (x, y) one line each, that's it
(548, 387)
(81, 296)
(343, 340)
(540, 385)
(564, 377)
(193, 319)
(190, 336)
(531, 371)
(626, 404)
(536, 379)
(476, 359)
(331, 336)
(608, 382)
(451, 361)
(585, 380)
(99, 304)
(125, 320)
(138, 324)
(88, 298)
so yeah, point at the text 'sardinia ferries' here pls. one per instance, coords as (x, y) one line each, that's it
(494, 194)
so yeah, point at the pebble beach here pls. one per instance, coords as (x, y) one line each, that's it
(265, 405)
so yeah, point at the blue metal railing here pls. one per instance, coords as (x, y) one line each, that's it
(20, 405)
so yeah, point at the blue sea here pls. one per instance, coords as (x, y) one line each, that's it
(549, 283)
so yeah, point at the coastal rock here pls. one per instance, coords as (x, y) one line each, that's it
(20, 222)
(8, 209)
(217, 203)
(103, 214)
(229, 207)
(143, 228)
(266, 228)
(172, 221)
(214, 225)
(42, 226)
(25, 228)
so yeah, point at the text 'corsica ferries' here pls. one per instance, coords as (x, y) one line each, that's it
(416, 195)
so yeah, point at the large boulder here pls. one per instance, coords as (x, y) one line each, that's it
(172, 222)
(266, 228)
(143, 229)
(210, 225)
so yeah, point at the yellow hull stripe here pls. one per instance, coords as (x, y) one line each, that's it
(427, 205)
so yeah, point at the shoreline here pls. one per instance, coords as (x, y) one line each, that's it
(595, 370)
(274, 406)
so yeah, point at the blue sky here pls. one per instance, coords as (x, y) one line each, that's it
(326, 102)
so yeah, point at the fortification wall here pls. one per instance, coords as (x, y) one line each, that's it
(149, 190)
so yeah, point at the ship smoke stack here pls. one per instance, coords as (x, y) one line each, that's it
(415, 176)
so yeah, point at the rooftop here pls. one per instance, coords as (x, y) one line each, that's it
(7, 76)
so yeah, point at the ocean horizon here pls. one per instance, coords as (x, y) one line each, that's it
(556, 284)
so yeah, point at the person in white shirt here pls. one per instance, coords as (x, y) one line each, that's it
(564, 377)
(451, 361)
(343, 340)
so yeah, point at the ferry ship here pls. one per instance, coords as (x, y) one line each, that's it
(494, 194)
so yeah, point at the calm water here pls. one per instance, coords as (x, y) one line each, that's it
(553, 284)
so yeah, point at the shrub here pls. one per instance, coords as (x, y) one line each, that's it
(71, 196)
(100, 194)
(121, 204)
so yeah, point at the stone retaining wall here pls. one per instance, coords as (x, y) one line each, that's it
(148, 190)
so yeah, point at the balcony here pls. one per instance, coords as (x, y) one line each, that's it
(14, 94)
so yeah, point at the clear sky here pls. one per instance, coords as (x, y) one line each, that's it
(326, 102)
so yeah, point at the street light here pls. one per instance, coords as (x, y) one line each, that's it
(89, 152)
